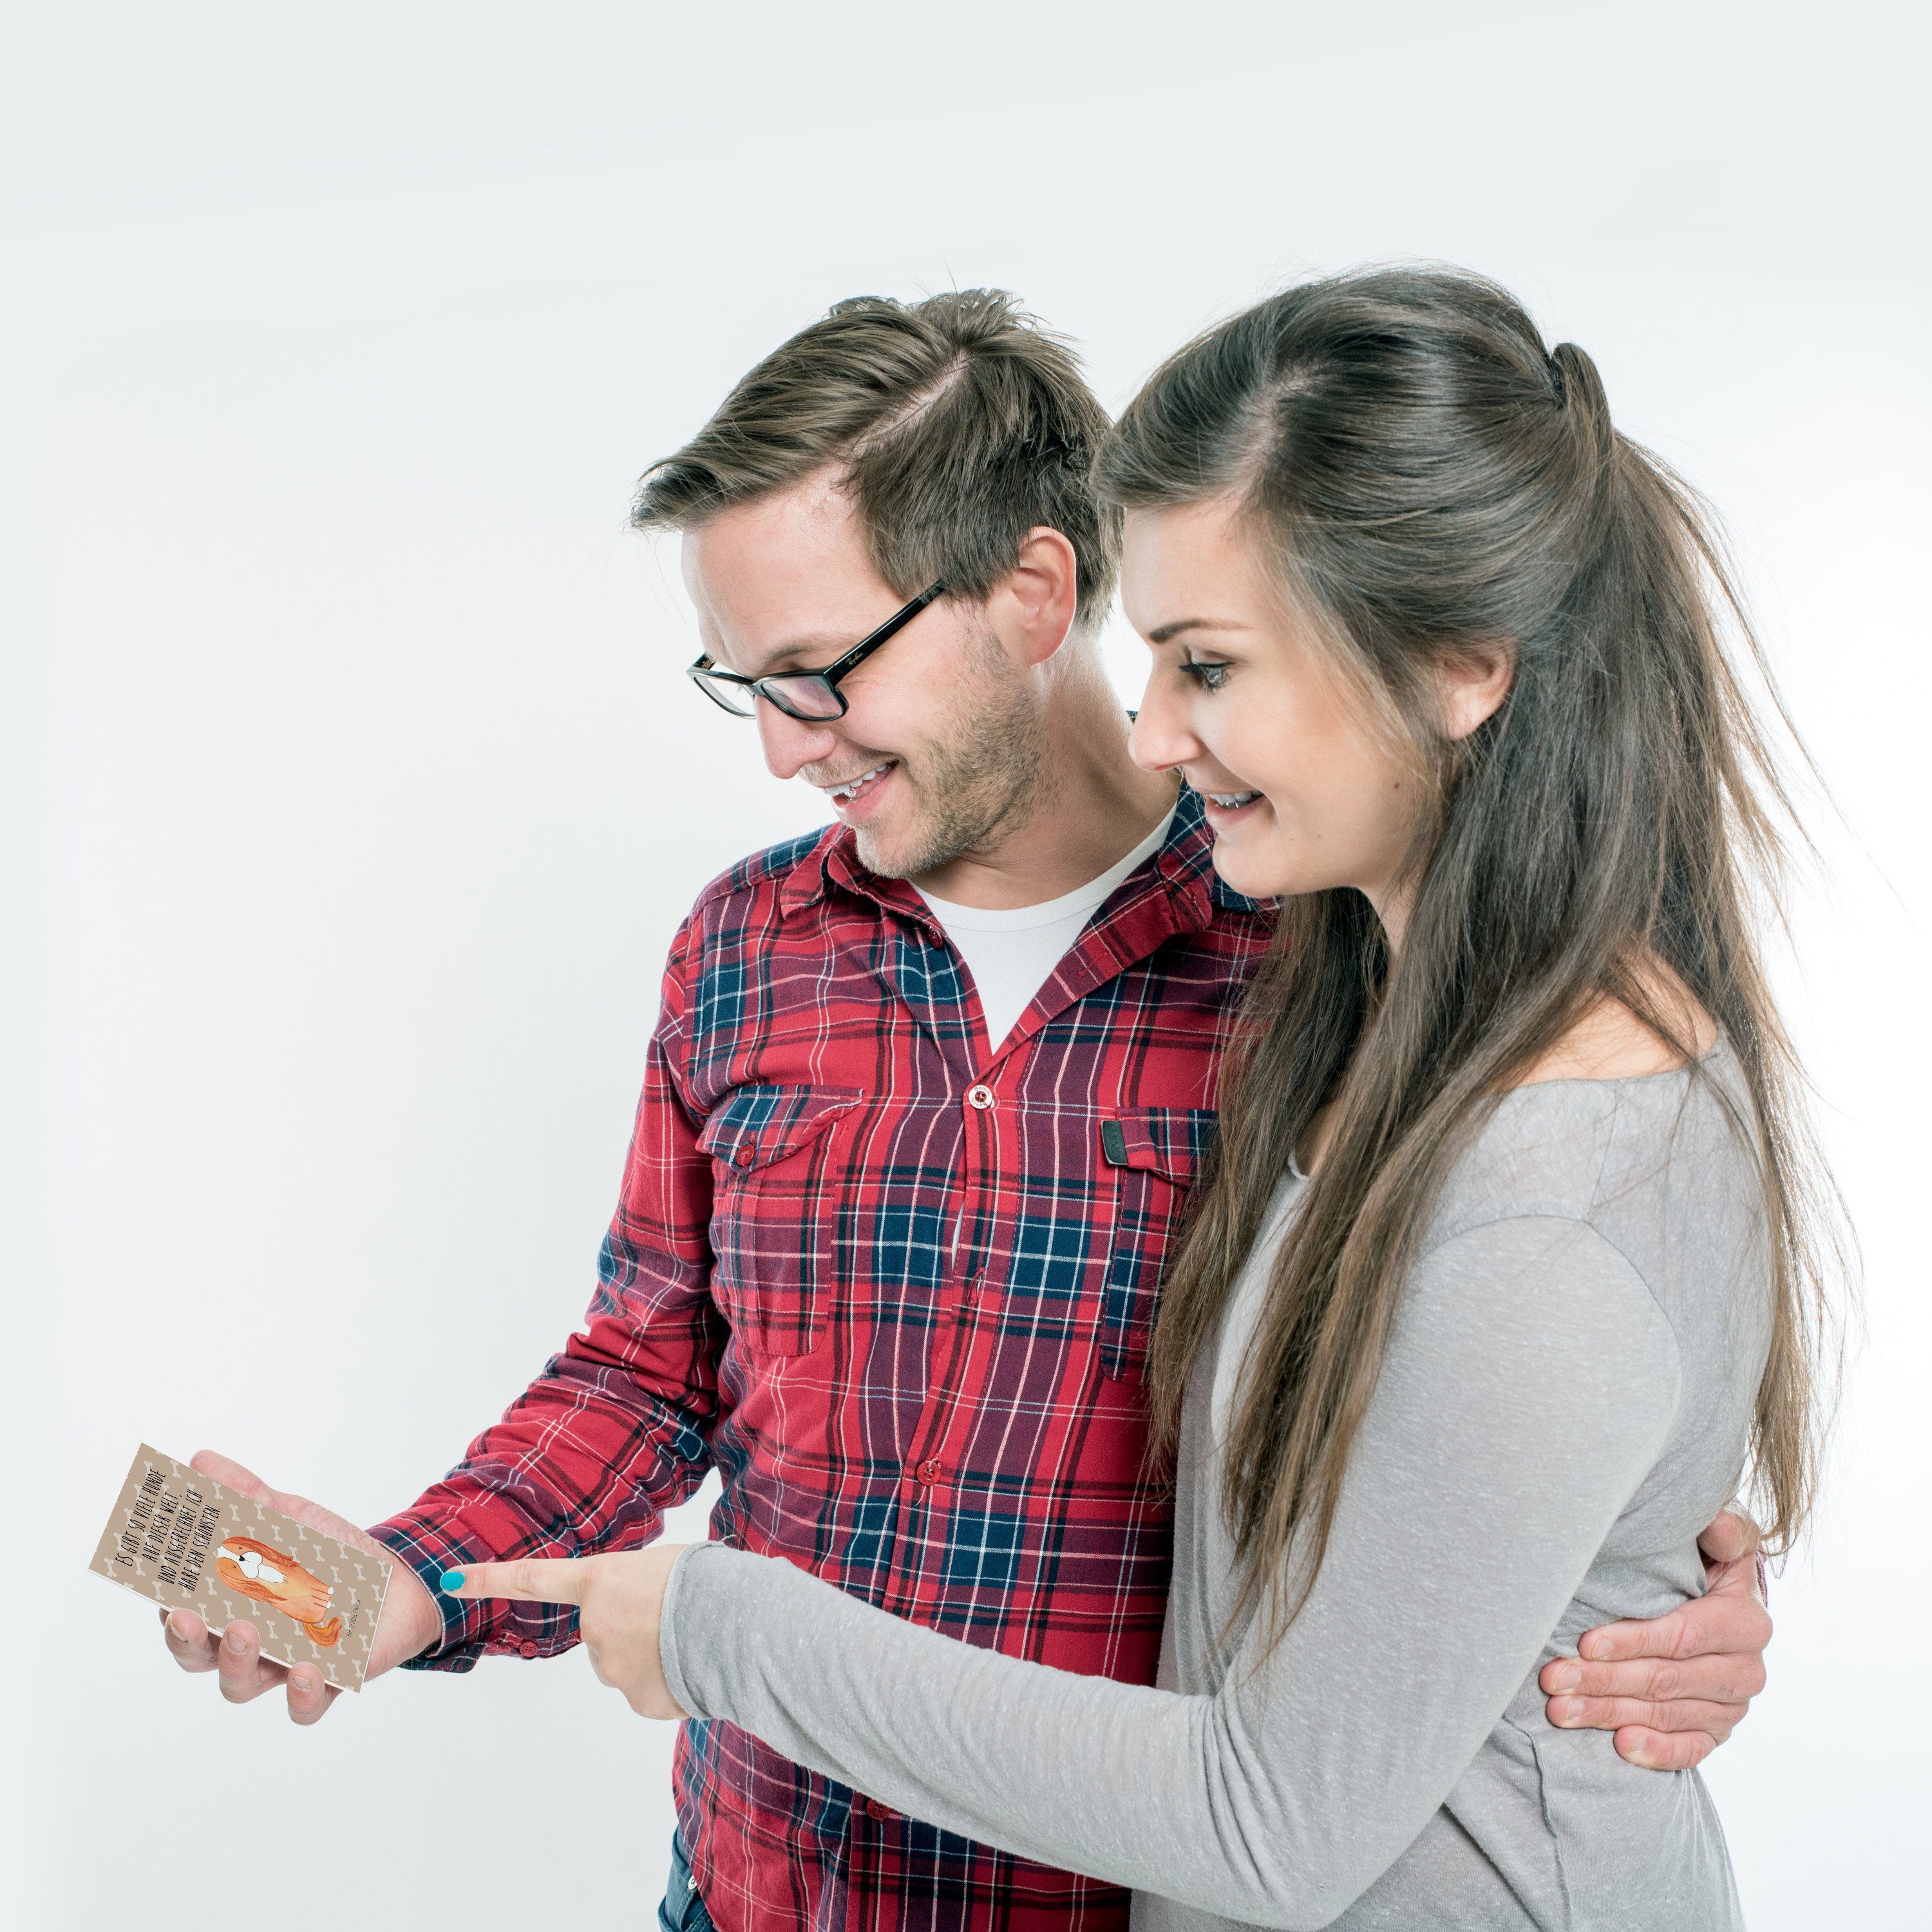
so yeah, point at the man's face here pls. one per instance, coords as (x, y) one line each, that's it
(939, 750)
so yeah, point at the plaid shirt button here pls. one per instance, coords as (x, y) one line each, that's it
(929, 1472)
(980, 1096)
(874, 1809)
(526, 1649)
(745, 1156)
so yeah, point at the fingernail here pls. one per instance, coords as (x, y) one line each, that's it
(1573, 1711)
(306, 1682)
(175, 1629)
(233, 1642)
(1566, 1677)
(452, 1580)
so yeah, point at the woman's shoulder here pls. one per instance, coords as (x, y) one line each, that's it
(1618, 1080)
(1651, 1150)
(1611, 1041)
(1631, 1090)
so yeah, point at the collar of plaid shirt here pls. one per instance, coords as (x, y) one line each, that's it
(899, 1291)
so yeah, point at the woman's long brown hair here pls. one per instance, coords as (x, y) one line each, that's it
(1427, 479)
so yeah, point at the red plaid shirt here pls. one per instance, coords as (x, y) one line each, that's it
(897, 1289)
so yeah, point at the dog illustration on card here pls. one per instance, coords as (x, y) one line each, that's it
(264, 1574)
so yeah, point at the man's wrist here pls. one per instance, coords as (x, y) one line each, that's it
(432, 1631)
(412, 1623)
(423, 1630)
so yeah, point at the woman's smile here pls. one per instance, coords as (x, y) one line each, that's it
(1226, 811)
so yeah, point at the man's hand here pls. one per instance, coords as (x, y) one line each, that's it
(1673, 1688)
(619, 1601)
(410, 1624)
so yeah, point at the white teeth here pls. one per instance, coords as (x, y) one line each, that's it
(850, 787)
(1232, 799)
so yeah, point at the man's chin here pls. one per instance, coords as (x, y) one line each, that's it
(912, 836)
(884, 856)
(903, 852)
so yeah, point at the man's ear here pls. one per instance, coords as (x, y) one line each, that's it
(1475, 681)
(1033, 607)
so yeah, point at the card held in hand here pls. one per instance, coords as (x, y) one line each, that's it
(183, 1540)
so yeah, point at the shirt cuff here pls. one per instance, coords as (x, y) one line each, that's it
(473, 1627)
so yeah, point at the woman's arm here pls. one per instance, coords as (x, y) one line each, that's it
(1482, 1485)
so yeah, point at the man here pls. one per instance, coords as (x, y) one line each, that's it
(924, 1100)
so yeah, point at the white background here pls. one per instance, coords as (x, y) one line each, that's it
(356, 789)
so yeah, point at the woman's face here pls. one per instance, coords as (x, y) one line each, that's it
(1302, 791)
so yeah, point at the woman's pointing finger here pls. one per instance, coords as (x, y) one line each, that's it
(530, 1579)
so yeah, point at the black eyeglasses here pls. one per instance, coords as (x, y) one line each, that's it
(811, 695)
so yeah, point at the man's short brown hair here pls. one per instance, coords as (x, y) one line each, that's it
(959, 424)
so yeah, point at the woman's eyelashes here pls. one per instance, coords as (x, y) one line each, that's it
(1209, 673)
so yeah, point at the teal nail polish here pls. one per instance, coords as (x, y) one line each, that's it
(452, 1580)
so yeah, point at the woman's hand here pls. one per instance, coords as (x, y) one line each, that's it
(619, 1599)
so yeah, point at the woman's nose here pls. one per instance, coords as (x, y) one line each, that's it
(1160, 738)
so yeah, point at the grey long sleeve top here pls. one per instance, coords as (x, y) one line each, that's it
(1563, 1406)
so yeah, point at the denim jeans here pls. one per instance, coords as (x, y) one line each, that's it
(683, 1910)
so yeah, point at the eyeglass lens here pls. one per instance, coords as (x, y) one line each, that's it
(804, 696)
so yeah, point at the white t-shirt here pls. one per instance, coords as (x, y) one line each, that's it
(1010, 953)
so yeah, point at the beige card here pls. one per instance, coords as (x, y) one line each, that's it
(185, 1541)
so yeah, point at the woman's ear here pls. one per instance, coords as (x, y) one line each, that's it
(1475, 681)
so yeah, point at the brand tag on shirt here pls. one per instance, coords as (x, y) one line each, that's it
(183, 1541)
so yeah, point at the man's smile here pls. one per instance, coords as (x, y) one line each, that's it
(853, 795)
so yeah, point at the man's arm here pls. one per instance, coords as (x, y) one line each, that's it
(615, 1429)
(1674, 1688)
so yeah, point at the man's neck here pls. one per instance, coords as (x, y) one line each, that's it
(1096, 807)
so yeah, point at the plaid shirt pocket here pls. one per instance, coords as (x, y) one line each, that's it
(771, 1223)
(1156, 1151)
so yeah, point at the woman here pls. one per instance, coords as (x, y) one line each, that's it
(1440, 648)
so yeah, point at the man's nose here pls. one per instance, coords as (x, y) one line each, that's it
(1162, 736)
(791, 743)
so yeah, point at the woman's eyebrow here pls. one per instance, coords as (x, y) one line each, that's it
(1168, 633)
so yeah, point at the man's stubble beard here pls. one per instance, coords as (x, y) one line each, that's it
(984, 774)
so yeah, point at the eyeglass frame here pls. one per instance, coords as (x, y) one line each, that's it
(831, 676)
